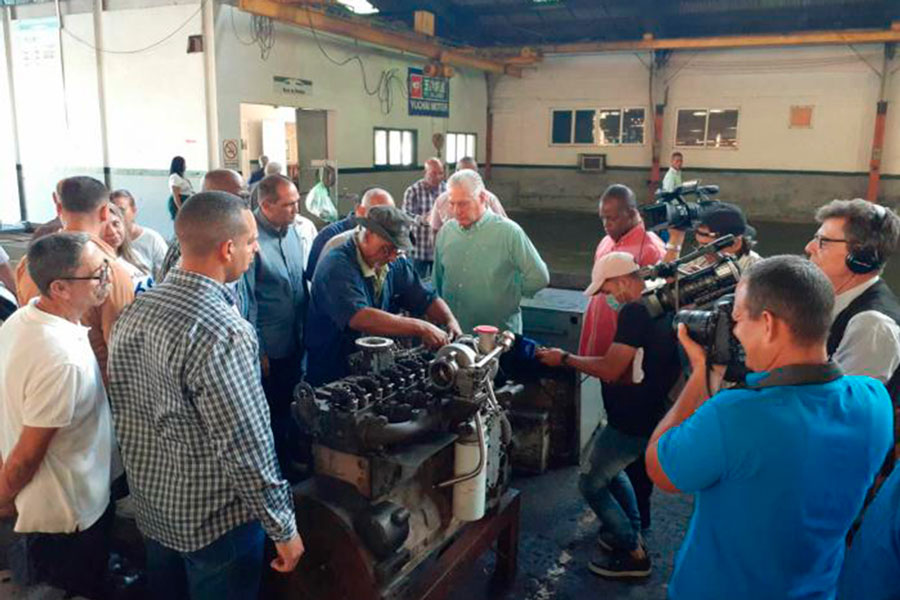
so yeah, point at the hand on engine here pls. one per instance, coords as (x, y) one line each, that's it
(454, 329)
(433, 336)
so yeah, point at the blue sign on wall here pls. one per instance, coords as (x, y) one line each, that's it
(428, 96)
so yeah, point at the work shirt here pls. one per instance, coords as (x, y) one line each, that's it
(99, 319)
(483, 271)
(418, 200)
(340, 289)
(599, 325)
(779, 474)
(328, 232)
(191, 416)
(276, 290)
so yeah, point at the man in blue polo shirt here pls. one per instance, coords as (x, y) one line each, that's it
(780, 468)
(360, 287)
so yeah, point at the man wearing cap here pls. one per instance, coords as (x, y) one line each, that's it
(360, 287)
(720, 220)
(637, 372)
(483, 263)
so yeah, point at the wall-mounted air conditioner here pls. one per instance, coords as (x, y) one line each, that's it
(592, 163)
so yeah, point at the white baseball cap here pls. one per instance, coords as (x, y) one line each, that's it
(614, 264)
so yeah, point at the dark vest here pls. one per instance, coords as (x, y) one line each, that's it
(880, 298)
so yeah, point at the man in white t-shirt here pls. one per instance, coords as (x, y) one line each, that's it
(149, 245)
(55, 428)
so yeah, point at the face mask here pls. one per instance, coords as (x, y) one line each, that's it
(613, 303)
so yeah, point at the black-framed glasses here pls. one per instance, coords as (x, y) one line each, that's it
(821, 240)
(102, 276)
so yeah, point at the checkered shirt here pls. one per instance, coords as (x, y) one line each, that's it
(417, 202)
(191, 417)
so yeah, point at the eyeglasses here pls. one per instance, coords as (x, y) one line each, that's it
(821, 240)
(102, 276)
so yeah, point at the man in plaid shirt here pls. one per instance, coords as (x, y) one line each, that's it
(418, 200)
(192, 419)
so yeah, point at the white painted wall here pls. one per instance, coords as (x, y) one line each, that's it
(762, 83)
(244, 77)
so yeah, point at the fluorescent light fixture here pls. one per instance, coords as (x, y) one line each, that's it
(360, 7)
(699, 113)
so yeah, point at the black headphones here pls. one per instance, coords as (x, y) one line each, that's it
(866, 258)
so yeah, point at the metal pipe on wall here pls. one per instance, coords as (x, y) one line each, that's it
(880, 120)
(14, 117)
(209, 77)
(101, 89)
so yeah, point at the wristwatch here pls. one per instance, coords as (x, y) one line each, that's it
(676, 247)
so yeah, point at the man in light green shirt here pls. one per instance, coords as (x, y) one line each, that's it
(484, 263)
(672, 179)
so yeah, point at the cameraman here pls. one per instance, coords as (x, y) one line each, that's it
(780, 468)
(717, 221)
(637, 371)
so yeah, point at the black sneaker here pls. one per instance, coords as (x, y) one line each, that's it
(619, 564)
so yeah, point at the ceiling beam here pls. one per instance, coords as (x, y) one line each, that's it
(716, 42)
(310, 18)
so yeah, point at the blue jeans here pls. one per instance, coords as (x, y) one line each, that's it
(230, 567)
(606, 487)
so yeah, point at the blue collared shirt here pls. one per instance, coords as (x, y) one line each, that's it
(339, 291)
(191, 416)
(277, 290)
(336, 228)
(779, 473)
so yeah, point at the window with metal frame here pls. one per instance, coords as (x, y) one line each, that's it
(459, 145)
(603, 127)
(706, 128)
(394, 148)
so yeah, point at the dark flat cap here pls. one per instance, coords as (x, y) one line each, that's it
(390, 223)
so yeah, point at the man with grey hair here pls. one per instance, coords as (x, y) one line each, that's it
(483, 263)
(418, 200)
(779, 469)
(55, 430)
(278, 300)
(360, 288)
(372, 196)
(192, 419)
(441, 212)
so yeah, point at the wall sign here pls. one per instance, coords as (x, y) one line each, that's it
(292, 86)
(230, 155)
(428, 96)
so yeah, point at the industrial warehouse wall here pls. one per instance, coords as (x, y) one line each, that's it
(154, 102)
(244, 76)
(776, 172)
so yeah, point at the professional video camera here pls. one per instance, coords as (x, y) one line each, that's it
(672, 210)
(698, 288)
(713, 329)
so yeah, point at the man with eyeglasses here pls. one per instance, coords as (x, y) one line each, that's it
(84, 208)
(55, 429)
(278, 299)
(854, 241)
(360, 287)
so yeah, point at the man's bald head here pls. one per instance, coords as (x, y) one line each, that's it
(208, 219)
(377, 197)
(223, 180)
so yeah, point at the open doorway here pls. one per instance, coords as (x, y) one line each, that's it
(269, 130)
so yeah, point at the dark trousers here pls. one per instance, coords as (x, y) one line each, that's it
(284, 375)
(229, 568)
(75, 562)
